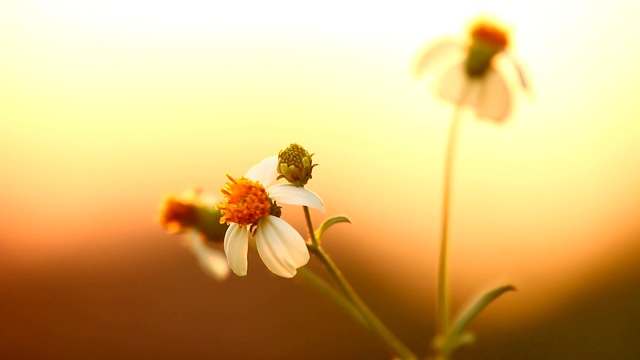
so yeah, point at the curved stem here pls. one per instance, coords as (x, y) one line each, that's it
(443, 286)
(443, 282)
(340, 300)
(375, 324)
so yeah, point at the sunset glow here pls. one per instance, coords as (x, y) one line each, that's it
(106, 107)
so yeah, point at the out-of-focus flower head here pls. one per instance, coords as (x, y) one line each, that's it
(193, 214)
(251, 210)
(472, 77)
(178, 213)
(193, 210)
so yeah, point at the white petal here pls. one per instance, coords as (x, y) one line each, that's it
(292, 195)
(265, 172)
(452, 83)
(494, 100)
(280, 246)
(437, 54)
(212, 261)
(272, 253)
(236, 246)
(291, 239)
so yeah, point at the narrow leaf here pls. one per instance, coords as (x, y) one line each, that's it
(330, 222)
(475, 308)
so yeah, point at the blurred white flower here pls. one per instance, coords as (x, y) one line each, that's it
(472, 77)
(212, 261)
(250, 208)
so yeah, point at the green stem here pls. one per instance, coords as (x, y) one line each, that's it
(312, 233)
(340, 300)
(375, 324)
(443, 286)
(443, 282)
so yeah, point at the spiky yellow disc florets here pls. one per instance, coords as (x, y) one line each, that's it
(295, 165)
(246, 201)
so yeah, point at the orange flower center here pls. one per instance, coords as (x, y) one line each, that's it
(246, 201)
(176, 215)
(491, 34)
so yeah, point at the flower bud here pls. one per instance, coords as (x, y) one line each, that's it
(295, 165)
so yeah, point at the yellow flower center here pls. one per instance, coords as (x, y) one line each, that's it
(246, 201)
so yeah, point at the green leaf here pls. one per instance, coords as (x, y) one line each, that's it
(330, 222)
(475, 308)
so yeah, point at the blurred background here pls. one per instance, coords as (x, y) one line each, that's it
(105, 107)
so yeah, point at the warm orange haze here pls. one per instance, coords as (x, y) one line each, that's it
(107, 107)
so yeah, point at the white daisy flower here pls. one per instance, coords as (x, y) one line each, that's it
(473, 79)
(250, 208)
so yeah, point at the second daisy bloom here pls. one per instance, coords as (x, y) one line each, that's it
(474, 79)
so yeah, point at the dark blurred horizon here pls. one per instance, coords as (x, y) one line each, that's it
(162, 306)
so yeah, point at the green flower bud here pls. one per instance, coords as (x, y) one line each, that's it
(295, 165)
